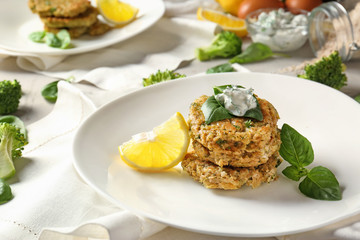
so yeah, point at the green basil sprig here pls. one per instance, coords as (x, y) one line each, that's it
(5, 192)
(319, 183)
(255, 52)
(215, 111)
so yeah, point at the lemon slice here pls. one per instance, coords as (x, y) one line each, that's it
(226, 21)
(117, 12)
(162, 148)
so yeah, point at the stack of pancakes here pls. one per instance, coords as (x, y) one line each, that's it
(230, 153)
(76, 16)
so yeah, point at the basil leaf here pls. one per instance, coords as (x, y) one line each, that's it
(213, 111)
(255, 113)
(253, 53)
(227, 67)
(61, 40)
(52, 40)
(5, 192)
(64, 37)
(16, 122)
(294, 173)
(37, 36)
(50, 91)
(295, 148)
(321, 184)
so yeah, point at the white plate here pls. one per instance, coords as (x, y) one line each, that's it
(327, 117)
(17, 22)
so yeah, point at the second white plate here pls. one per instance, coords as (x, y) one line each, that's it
(327, 117)
(17, 22)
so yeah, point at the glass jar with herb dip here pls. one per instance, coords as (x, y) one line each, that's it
(335, 25)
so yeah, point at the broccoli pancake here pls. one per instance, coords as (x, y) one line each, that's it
(86, 19)
(230, 178)
(98, 28)
(235, 142)
(74, 32)
(58, 8)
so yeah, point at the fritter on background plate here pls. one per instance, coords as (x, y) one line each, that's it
(58, 8)
(85, 19)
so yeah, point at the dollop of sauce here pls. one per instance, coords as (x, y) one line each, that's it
(280, 30)
(237, 100)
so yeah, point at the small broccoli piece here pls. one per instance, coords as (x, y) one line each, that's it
(12, 143)
(161, 76)
(10, 94)
(225, 44)
(329, 71)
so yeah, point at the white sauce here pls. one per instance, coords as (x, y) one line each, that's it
(280, 30)
(237, 100)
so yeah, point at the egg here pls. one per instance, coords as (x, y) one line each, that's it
(307, 5)
(248, 6)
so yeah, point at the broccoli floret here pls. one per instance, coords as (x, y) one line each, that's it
(10, 94)
(161, 76)
(12, 143)
(225, 44)
(329, 71)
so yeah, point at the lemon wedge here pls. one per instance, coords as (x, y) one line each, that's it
(224, 20)
(160, 149)
(117, 12)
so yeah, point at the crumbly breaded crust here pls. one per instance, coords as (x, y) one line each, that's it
(230, 178)
(98, 28)
(86, 19)
(230, 142)
(74, 32)
(58, 8)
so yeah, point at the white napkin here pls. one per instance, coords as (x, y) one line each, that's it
(37, 61)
